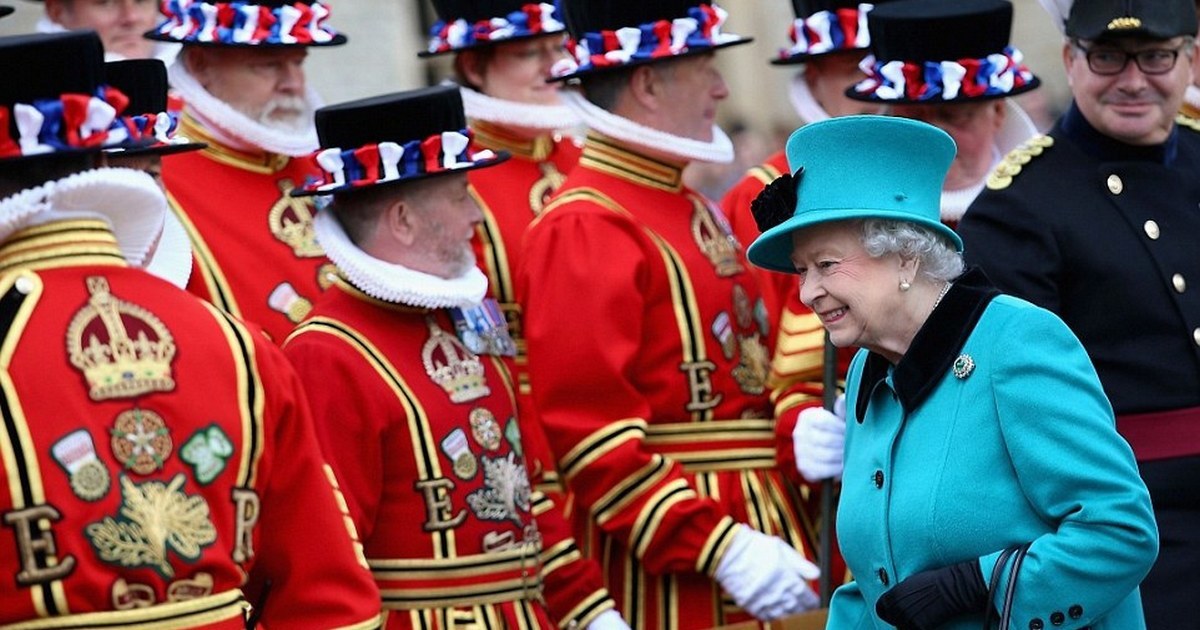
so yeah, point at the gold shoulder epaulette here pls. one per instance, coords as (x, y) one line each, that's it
(1011, 165)
(1184, 120)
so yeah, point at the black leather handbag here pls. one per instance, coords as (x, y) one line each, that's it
(1017, 554)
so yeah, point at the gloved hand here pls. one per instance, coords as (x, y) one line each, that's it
(819, 440)
(931, 598)
(766, 576)
(608, 620)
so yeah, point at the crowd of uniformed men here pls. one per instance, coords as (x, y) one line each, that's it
(474, 354)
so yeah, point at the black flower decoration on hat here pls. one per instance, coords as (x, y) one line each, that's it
(777, 202)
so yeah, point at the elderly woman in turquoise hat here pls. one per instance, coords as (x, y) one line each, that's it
(983, 474)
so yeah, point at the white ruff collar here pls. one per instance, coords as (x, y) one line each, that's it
(480, 106)
(719, 151)
(172, 259)
(1192, 96)
(804, 102)
(234, 128)
(129, 200)
(391, 282)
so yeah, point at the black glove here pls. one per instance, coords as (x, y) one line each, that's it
(928, 599)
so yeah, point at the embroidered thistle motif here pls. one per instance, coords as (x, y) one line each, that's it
(141, 440)
(777, 202)
(506, 492)
(155, 519)
(122, 349)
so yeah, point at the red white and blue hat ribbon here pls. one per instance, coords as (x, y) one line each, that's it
(351, 169)
(699, 30)
(149, 129)
(244, 23)
(532, 19)
(829, 31)
(68, 123)
(996, 75)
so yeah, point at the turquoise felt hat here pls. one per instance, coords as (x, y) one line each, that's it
(860, 167)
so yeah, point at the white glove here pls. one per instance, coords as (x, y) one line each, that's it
(819, 441)
(608, 620)
(766, 576)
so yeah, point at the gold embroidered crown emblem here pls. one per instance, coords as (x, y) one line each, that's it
(122, 349)
(1124, 23)
(291, 222)
(453, 367)
(715, 240)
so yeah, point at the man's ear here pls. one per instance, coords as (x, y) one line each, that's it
(467, 63)
(646, 88)
(56, 10)
(400, 222)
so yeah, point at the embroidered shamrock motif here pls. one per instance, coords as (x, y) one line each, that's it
(207, 452)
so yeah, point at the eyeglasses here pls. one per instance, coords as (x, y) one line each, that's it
(1111, 61)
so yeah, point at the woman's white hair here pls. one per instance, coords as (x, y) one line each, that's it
(937, 257)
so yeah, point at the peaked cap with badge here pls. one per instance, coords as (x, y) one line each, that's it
(1148, 19)
(942, 51)
(616, 34)
(826, 27)
(267, 23)
(469, 24)
(394, 139)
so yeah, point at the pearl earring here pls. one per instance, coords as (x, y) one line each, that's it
(904, 285)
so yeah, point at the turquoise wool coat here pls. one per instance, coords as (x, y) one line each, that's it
(992, 431)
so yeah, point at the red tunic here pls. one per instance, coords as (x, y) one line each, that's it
(647, 341)
(511, 196)
(159, 458)
(255, 254)
(424, 436)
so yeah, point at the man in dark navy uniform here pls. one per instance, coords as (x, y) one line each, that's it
(1100, 222)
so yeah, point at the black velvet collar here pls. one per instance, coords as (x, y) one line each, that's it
(935, 346)
(1077, 128)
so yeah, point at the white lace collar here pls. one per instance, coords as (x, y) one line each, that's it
(172, 259)
(391, 282)
(719, 151)
(480, 106)
(1192, 96)
(128, 200)
(235, 129)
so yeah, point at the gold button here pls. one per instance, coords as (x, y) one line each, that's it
(1115, 185)
(1179, 282)
(1151, 229)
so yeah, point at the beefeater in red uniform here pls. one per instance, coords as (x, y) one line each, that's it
(241, 76)
(648, 337)
(402, 358)
(503, 51)
(159, 459)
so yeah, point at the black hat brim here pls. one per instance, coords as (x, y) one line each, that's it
(501, 157)
(597, 70)
(337, 40)
(798, 59)
(853, 94)
(156, 149)
(6, 11)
